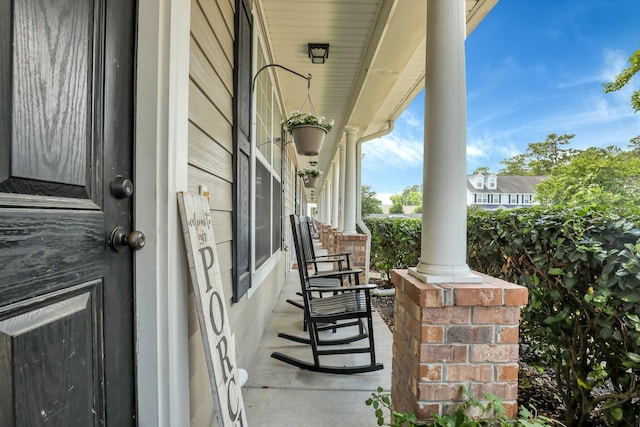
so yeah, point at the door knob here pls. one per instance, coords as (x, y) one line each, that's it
(120, 239)
(121, 187)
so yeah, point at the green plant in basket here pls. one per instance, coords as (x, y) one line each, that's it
(300, 118)
(310, 172)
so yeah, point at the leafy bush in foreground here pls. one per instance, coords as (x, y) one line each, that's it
(582, 268)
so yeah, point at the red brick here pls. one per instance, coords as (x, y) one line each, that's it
(470, 334)
(505, 391)
(404, 403)
(423, 294)
(396, 277)
(442, 392)
(507, 373)
(477, 295)
(412, 290)
(510, 409)
(432, 334)
(430, 373)
(430, 353)
(494, 353)
(515, 295)
(427, 410)
(493, 315)
(508, 334)
(468, 372)
(431, 297)
(446, 315)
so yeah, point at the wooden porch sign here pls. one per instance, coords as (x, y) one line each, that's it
(210, 302)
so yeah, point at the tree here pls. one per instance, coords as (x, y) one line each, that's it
(410, 196)
(624, 77)
(396, 208)
(515, 165)
(540, 157)
(634, 145)
(621, 81)
(594, 177)
(484, 170)
(545, 156)
(370, 204)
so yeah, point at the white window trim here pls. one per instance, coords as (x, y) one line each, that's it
(260, 274)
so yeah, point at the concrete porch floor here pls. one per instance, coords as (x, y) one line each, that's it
(279, 394)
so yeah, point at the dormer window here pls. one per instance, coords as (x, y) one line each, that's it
(492, 182)
(479, 181)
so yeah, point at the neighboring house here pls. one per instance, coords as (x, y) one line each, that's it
(502, 191)
(107, 110)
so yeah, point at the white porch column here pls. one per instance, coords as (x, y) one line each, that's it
(329, 189)
(342, 146)
(323, 194)
(444, 217)
(335, 217)
(319, 203)
(349, 202)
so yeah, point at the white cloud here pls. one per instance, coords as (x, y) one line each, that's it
(385, 198)
(614, 62)
(597, 111)
(393, 151)
(489, 149)
(412, 121)
(476, 150)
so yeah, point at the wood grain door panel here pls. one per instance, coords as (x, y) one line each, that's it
(66, 131)
(51, 350)
(50, 99)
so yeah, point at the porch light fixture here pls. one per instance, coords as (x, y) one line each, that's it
(318, 52)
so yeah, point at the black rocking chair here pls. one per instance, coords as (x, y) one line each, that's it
(346, 306)
(329, 277)
(341, 260)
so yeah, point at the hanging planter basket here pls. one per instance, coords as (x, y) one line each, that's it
(308, 139)
(310, 181)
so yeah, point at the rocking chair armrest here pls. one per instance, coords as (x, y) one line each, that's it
(333, 255)
(337, 273)
(345, 254)
(344, 289)
(325, 260)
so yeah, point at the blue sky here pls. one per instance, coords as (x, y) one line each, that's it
(534, 67)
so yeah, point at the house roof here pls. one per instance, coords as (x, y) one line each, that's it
(521, 184)
(376, 63)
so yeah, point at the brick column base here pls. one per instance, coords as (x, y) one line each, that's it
(331, 240)
(324, 235)
(356, 245)
(449, 336)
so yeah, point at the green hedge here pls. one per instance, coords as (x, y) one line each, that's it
(582, 269)
(395, 242)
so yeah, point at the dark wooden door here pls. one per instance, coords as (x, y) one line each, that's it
(66, 132)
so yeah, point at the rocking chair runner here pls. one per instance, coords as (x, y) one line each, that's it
(347, 306)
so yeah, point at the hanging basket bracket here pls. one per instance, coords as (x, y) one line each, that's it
(307, 77)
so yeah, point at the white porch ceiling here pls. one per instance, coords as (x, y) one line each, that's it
(376, 63)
